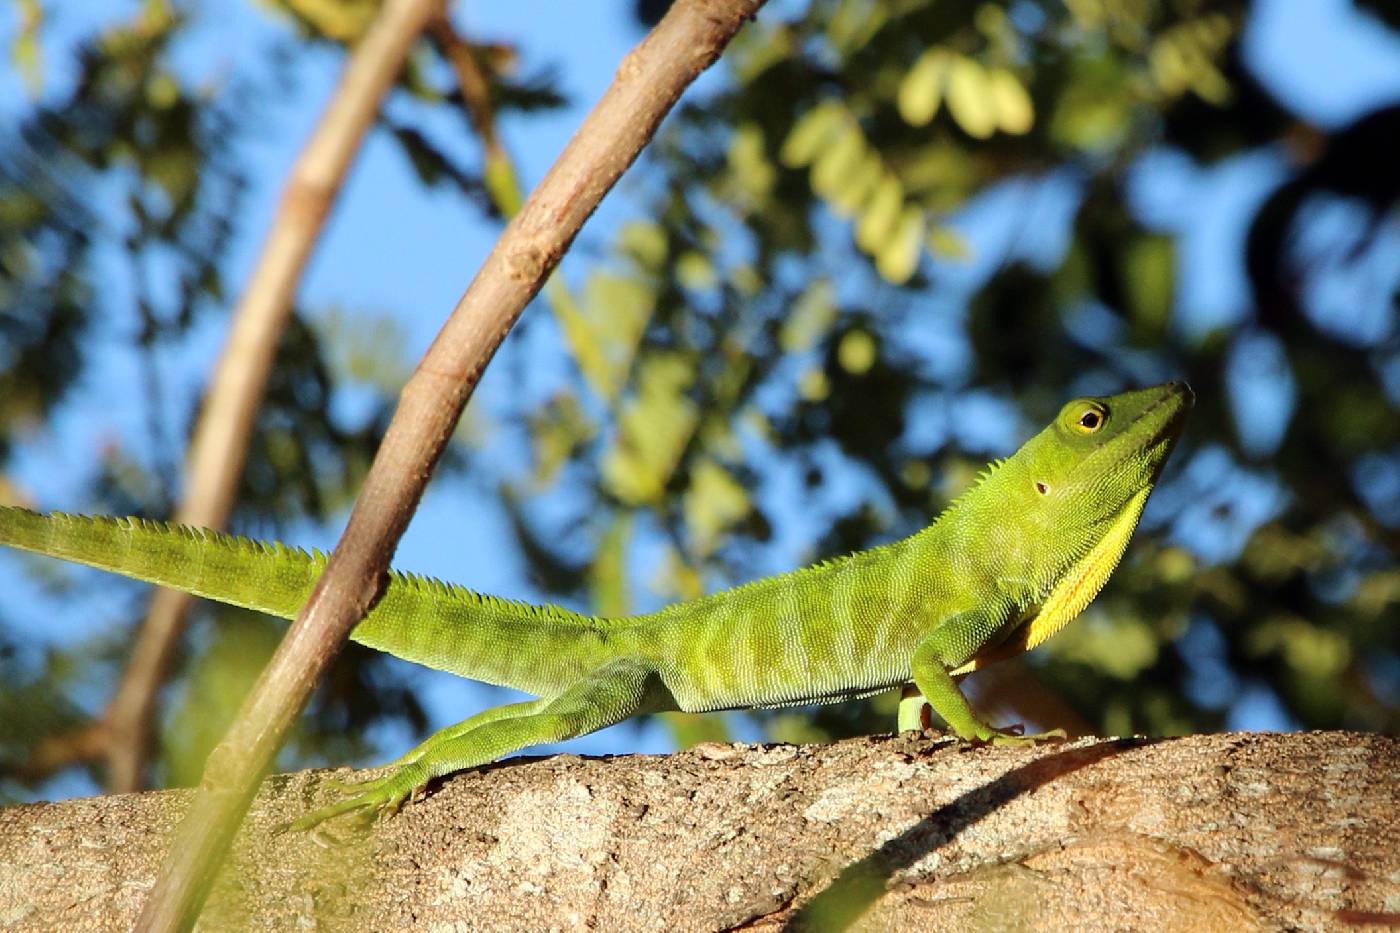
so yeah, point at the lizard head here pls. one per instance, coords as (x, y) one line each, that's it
(1100, 453)
(1067, 502)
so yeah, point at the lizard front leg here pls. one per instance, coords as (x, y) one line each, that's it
(946, 647)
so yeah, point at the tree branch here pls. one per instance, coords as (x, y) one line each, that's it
(1209, 832)
(648, 82)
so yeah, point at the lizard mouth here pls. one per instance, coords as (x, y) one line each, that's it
(1164, 418)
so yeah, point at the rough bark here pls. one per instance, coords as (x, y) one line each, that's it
(1213, 832)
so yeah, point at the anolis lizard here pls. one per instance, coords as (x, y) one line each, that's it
(1004, 567)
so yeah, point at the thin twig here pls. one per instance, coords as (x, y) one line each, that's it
(502, 181)
(648, 83)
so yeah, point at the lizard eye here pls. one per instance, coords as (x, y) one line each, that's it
(1091, 419)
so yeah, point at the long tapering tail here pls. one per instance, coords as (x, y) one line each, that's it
(441, 625)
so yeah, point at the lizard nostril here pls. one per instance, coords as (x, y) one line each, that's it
(1041, 488)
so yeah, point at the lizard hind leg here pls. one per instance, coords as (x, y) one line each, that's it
(617, 690)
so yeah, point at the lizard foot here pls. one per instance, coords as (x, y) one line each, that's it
(1014, 735)
(366, 799)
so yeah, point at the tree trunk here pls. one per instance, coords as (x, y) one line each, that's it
(1227, 832)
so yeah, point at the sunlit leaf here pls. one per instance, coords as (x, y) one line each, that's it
(712, 504)
(947, 243)
(811, 317)
(615, 315)
(748, 163)
(644, 241)
(835, 165)
(694, 271)
(1119, 646)
(856, 352)
(813, 385)
(556, 431)
(1150, 274)
(881, 215)
(1014, 110)
(847, 197)
(970, 98)
(921, 91)
(24, 48)
(654, 429)
(220, 678)
(813, 133)
(899, 257)
(607, 576)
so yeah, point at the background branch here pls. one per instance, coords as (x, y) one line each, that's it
(219, 446)
(651, 78)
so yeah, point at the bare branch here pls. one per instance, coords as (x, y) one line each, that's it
(648, 82)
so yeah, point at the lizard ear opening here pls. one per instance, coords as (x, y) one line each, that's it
(1041, 487)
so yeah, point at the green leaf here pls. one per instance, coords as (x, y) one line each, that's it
(713, 503)
(811, 318)
(856, 352)
(833, 168)
(219, 679)
(25, 50)
(921, 91)
(1121, 647)
(1149, 276)
(617, 309)
(694, 271)
(946, 243)
(812, 133)
(654, 429)
(645, 242)
(855, 190)
(557, 430)
(607, 576)
(1015, 112)
(970, 98)
(749, 167)
(899, 257)
(877, 222)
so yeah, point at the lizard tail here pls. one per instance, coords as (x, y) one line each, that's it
(441, 625)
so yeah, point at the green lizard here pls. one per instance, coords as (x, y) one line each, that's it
(1004, 567)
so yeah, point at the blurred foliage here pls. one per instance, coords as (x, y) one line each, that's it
(820, 303)
(884, 247)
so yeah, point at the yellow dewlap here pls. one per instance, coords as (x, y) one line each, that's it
(1073, 593)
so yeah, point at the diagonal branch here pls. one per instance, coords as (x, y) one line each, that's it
(503, 186)
(648, 83)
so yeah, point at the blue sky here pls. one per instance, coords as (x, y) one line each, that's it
(391, 247)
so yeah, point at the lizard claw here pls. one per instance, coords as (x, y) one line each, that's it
(367, 799)
(1015, 736)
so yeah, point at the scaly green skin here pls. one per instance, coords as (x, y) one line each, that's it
(1005, 566)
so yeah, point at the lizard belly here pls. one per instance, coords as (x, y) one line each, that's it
(783, 669)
